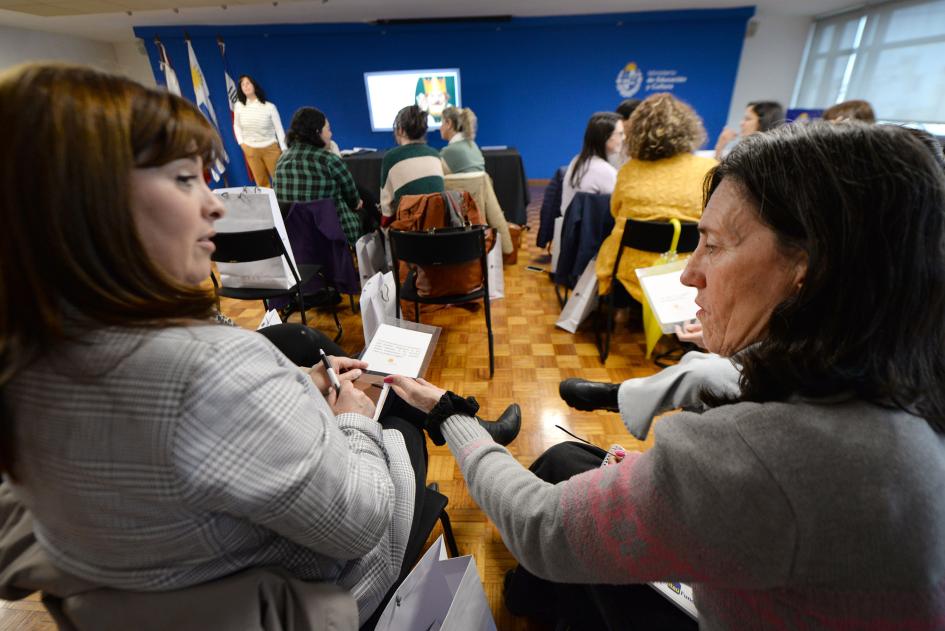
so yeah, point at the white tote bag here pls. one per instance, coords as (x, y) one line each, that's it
(249, 209)
(372, 257)
(496, 270)
(583, 300)
(378, 303)
(556, 244)
(439, 594)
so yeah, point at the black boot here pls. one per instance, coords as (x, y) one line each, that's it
(505, 428)
(585, 395)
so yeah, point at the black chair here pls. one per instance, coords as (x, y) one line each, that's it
(446, 246)
(259, 245)
(649, 236)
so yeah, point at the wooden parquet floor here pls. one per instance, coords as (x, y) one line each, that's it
(531, 358)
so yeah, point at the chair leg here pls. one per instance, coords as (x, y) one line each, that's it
(488, 311)
(416, 312)
(354, 309)
(302, 307)
(610, 324)
(448, 534)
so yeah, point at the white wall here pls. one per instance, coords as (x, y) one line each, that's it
(133, 62)
(20, 45)
(769, 64)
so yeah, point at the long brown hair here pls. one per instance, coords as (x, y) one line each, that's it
(69, 249)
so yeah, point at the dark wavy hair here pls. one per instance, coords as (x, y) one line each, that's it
(866, 204)
(770, 114)
(306, 127)
(412, 121)
(260, 93)
(599, 129)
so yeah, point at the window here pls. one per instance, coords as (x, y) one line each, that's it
(892, 56)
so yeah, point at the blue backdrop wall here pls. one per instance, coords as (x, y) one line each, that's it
(533, 82)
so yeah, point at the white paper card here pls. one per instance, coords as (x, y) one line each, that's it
(396, 351)
(680, 595)
(672, 302)
(271, 318)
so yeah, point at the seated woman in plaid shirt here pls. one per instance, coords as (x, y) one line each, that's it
(308, 170)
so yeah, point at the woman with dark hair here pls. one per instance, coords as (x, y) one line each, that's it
(412, 167)
(308, 170)
(590, 171)
(662, 181)
(759, 116)
(258, 130)
(811, 497)
(154, 448)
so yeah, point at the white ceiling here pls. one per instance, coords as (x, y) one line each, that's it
(108, 20)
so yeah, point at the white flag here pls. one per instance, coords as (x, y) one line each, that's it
(170, 77)
(202, 97)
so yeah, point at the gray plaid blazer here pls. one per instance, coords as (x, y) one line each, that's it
(158, 459)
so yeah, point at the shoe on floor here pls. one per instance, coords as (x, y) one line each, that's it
(587, 396)
(505, 428)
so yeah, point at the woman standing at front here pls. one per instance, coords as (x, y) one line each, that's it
(258, 130)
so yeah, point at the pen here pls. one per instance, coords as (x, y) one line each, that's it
(332, 377)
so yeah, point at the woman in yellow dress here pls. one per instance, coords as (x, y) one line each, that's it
(662, 181)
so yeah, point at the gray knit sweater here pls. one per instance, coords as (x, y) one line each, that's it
(799, 515)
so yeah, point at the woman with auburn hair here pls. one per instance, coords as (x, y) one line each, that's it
(662, 181)
(154, 449)
(854, 110)
(811, 496)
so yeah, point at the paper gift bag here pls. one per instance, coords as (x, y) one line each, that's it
(372, 256)
(556, 244)
(249, 209)
(496, 271)
(439, 594)
(377, 303)
(583, 300)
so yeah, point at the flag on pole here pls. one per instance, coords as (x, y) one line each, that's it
(202, 98)
(170, 77)
(230, 84)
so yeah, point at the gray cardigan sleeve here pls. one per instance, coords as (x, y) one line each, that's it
(699, 506)
(257, 440)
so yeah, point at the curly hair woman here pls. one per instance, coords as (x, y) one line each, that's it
(663, 181)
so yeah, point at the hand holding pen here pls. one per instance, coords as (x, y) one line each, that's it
(333, 376)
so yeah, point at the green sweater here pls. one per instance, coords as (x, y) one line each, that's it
(413, 169)
(463, 156)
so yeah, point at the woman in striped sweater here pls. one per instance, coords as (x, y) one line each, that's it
(258, 130)
(411, 168)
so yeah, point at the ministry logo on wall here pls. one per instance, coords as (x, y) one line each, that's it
(631, 78)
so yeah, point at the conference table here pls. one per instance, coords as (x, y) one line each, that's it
(503, 165)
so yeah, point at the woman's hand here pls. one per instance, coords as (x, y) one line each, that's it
(691, 332)
(416, 392)
(350, 400)
(346, 368)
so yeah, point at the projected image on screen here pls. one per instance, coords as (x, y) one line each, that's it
(432, 90)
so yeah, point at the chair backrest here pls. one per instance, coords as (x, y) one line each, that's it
(657, 236)
(442, 247)
(244, 247)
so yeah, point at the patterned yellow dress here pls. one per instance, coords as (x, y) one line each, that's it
(657, 190)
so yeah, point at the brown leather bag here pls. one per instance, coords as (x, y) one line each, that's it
(422, 213)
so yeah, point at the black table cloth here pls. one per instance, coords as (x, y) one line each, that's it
(503, 165)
